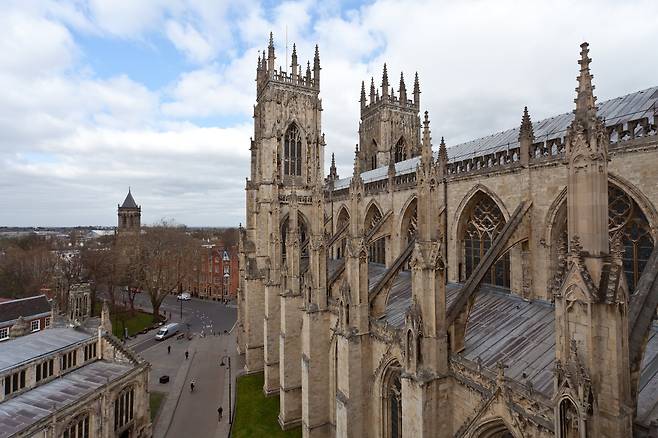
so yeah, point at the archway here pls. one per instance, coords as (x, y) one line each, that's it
(409, 226)
(400, 153)
(292, 151)
(569, 421)
(482, 220)
(302, 230)
(392, 401)
(626, 219)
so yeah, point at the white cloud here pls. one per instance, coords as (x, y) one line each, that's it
(189, 41)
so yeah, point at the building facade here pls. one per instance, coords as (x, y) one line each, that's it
(503, 287)
(216, 276)
(74, 380)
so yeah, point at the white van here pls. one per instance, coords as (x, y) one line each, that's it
(167, 331)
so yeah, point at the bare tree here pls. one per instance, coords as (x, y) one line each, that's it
(165, 259)
(26, 266)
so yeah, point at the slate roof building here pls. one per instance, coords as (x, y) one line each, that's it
(33, 313)
(73, 380)
(502, 287)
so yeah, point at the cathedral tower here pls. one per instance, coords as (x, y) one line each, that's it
(287, 156)
(129, 216)
(389, 130)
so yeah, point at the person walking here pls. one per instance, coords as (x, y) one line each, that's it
(192, 385)
(187, 354)
(220, 411)
(168, 349)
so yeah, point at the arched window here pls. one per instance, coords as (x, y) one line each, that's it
(569, 421)
(78, 428)
(392, 402)
(302, 232)
(124, 408)
(343, 219)
(400, 151)
(292, 152)
(626, 219)
(376, 249)
(484, 223)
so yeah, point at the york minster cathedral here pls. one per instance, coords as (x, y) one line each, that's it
(502, 287)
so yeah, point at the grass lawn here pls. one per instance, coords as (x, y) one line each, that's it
(155, 401)
(256, 415)
(135, 323)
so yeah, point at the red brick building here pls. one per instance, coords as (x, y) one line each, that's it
(216, 276)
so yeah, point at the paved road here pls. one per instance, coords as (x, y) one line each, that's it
(202, 315)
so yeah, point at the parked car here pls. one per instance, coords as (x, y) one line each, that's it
(185, 296)
(167, 331)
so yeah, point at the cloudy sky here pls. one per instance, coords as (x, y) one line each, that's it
(99, 95)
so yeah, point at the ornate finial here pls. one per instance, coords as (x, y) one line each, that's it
(294, 57)
(372, 90)
(416, 90)
(384, 82)
(308, 72)
(333, 174)
(363, 94)
(443, 151)
(403, 90)
(316, 58)
(426, 153)
(585, 100)
(357, 164)
(526, 131)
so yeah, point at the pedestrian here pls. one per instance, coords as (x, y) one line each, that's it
(192, 386)
(187, 354)
(168, 349)
(220, 411)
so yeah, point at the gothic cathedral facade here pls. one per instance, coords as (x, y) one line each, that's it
(502, 287)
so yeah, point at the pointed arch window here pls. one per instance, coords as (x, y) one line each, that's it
(393, 403)
(484, 223)
(292, 152)
(569, 420)
(400, 151)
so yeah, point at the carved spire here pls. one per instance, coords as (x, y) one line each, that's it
(385, 84)
(585, 100)
(316, 67)
(357, 164)
(293, 64)
(372, 90)
(416, 91)
(403, 90)
(333, 174)
(426, 152)
(443, 151)
(363, 95)
(270, 53)
(308, 73)
(526, 137)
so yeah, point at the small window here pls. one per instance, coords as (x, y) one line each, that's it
(90, 352)
(227, 269)
(46, 323)
(14, 382)
(45, 369)
(4, 333)
(35, 325)
(79, 428)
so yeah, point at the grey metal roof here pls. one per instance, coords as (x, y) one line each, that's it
(647, 402)
(25, 307)
(40, 344)
(26, 409)
(614, 111)
(129, 202)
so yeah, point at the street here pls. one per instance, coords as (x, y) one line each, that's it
(203, 316)
(184, 413)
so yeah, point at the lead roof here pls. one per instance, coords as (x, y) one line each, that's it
(621, 109)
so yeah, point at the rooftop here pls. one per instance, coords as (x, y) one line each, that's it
(40, 344)
(25, 307)
(615, 111)
(28, 408)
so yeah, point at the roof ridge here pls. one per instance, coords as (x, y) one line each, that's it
(13, 300)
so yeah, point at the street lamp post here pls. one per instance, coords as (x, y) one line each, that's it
(230, 417)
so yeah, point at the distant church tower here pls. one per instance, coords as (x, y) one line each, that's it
(389, 130)
(130, 216)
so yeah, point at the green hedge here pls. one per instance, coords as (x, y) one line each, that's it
(256, 415)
